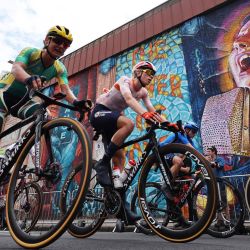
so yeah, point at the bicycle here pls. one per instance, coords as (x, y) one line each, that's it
(30, 197)
(247, 193)
(101, 202)
(48, 168)
(230, 210)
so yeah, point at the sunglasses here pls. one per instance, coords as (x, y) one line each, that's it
(59, 41)
(149, 72)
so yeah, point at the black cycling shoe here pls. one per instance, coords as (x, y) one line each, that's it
(119, 226)
(131, 216)
(182, 223)
(102, 173)
(142, 224)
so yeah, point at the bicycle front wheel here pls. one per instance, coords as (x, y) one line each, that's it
(157, 202)
(179, 224)
(64, 144)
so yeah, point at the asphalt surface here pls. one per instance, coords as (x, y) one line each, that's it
(134, 241)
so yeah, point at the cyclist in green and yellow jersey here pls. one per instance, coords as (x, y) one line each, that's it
(32, 63)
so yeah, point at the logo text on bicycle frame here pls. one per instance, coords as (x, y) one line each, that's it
(149, 217)
(134, 170)
(9, 157)
(197, 161)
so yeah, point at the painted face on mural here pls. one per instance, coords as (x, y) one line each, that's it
(239, 59)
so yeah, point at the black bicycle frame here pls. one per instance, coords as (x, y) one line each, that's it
(151, 146)
(38, 119)
(11, 158)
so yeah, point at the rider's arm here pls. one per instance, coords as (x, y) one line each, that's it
(148, 104)
(130, 100)
(220, 163)
(62, 78)
(70, 97)
(20, 65)
(18, 70)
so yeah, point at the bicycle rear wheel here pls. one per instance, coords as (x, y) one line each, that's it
(91, 215)
(64, 144)
(247, 194)
(178, 208)
(230, 212)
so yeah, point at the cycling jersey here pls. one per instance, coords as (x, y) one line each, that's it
(110, 105)
(15, 90)
(31, 57)
(114, 99)
(177, 138)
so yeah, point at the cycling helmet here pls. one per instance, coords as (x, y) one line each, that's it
(60, 31)
(144, 65)
(191, 125)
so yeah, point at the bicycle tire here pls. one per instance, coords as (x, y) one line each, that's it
(52, 223)
(232, 215)
(156, 197)
(28, 206)
(196, 228)
(247, 193)
(91, 214)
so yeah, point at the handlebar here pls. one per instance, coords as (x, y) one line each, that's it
(166, 126)
(31, 93)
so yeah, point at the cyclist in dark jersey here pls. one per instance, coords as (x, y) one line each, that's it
(176, 161)
(178, 164)
(30, 64)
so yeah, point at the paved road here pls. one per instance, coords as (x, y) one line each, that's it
(134, 241)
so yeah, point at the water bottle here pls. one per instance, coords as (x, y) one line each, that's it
(125, 173)
(116, 173)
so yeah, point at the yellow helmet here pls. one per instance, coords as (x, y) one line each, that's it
(60, 31)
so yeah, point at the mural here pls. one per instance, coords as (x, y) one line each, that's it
(202, 75)
(216, 47)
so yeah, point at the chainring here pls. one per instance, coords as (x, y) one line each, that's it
(112, 202)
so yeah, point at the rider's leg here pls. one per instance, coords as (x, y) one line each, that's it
(119, 158)
(124, 128)
(28, 109)
(177, 164)
(3, 113)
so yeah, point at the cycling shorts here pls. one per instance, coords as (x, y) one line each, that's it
(104, 120)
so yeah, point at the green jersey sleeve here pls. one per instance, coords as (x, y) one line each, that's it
(62, 74)
(25, 55)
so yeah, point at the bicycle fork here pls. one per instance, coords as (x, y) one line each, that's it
(38, 145)
(166, 173)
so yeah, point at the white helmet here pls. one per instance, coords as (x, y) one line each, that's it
(144, 65)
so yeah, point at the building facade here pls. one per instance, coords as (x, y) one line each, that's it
(201, 50)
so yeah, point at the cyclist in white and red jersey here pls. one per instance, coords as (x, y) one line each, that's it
(108, 117)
